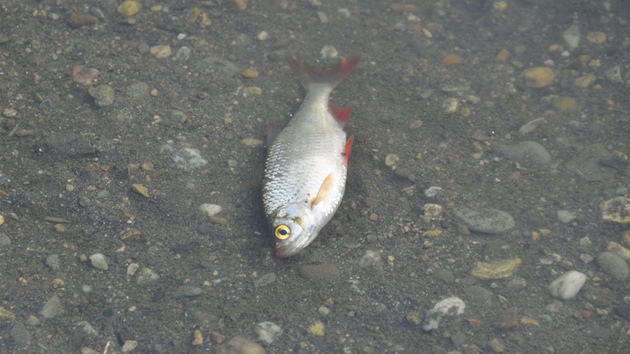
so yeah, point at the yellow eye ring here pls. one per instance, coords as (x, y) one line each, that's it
(282, 232)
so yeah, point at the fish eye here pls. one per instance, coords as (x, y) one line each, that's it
(282, 232)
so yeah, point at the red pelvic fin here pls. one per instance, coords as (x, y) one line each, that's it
(347, 150)
(341, 113)
(333, 76)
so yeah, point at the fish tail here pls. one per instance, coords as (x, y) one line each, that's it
(331, 76)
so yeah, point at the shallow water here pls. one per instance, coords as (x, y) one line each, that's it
(82, 174)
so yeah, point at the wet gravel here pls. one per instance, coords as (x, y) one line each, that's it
(486, 208)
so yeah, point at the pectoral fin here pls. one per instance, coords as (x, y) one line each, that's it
(323, 190)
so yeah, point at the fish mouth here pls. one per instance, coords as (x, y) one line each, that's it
(281, 252)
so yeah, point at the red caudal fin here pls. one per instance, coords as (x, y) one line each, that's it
(332, 76)
(347, 150)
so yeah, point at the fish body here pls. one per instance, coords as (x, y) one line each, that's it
(305, 172)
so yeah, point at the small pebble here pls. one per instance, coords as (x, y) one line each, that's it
(565, 104)
(614, 74)
(267, 331)
(4, 240)
(503, 55)
(620, 250)
(616, 210)
(317, 329)
(129, 8)
(452, 59)
(567, 285)
(132, 268)
(391, 160)
(187, 291)
(160, 51)
(59, 228)
(103, 95)
(613, 265)
(571, 36)
(6, 316)
(414, 318)
(450, 105)
(250, 73)
(538, 77)
(79, 19)
(140, 189)
(129, 346)
(52, 261)
(197, 338)
(20, 335)
(265, 280)
(485, 220)
(252, 90)
(242, 345)
(262, 36)
(210, 209)
(321, 273)
(532, 125)
(251, 142)
(329, 52)
(371, 259)
(565, 216)
(596, 37)
(451, 305)
(432, 191)
(52, 307)
(147, 276)
(99, 261)
(183, 53)
(497, 269)
(529, 153)
(585, 80)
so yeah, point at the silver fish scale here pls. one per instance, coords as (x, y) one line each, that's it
(299, 160)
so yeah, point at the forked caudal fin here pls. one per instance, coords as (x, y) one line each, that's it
(332, 76)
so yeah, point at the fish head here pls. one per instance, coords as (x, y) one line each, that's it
(294, 227)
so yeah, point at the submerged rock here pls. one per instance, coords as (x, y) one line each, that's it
(528, 153)
(485, 220)
(567, 285)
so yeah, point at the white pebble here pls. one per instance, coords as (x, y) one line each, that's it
(323, 310)
(571, 36)
(565, 216)
(267, 331)
(129, 346)
(262, 36)
(146, 276)
(432, 191)
(210, 209)
(329, 51)
(450, 305)
(99, 261)
(567, 285)
(132, 268)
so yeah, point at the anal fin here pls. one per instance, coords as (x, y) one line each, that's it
(341, 113)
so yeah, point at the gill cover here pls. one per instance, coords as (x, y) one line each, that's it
(293, 228)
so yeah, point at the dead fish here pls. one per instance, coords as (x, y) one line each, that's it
(305, 172)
